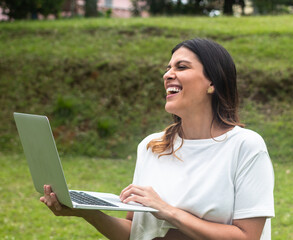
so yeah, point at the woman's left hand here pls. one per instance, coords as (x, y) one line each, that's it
(147, 197)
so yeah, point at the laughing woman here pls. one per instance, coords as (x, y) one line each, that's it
(208, 177)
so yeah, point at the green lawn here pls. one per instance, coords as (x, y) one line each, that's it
(100, 83)
(22, 216)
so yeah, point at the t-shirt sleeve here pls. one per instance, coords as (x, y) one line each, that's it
(139, 161)
(254, 185)
(137, 165)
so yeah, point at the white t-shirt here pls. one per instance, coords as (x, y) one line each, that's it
(229, 177)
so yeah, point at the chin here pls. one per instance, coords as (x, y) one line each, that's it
(170, 109)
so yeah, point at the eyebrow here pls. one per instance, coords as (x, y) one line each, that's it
(180, 61)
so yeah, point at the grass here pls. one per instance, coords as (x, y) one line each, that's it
(99, 81)
(22, 216)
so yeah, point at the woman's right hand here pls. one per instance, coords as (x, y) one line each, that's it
(102, 222)
(50, 199)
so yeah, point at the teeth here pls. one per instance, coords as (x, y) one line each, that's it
(173, 89)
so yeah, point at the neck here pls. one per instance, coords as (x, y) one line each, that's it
(201, 126)
(196, 128)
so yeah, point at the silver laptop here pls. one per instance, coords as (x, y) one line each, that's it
(46, 169)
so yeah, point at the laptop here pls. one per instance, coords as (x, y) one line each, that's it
(46, 169)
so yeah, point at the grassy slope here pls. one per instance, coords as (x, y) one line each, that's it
(22, 216)
(99, 80)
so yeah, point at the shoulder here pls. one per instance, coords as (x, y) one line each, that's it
(144, 153)
(248, 139)
(149, 138)
(249, 147)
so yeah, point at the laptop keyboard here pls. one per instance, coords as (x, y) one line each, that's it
(84, 198)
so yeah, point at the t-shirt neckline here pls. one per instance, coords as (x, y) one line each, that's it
(220, 139)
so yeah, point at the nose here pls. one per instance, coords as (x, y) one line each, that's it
(169, 75)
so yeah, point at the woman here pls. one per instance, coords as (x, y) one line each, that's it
(208, 177)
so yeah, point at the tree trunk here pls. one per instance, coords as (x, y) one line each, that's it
(197, 9)
(91, 8)
(228, 7)
(73, 8)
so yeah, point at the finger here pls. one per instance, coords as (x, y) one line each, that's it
(139, 199)
(125, 189)
(47, 189)
(132, 191)
(48, 199)
(129, 187)
(43, 200)
(55, 202)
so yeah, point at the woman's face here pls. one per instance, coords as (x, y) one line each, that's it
(185, 84)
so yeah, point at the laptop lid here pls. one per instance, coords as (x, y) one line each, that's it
(42, 155)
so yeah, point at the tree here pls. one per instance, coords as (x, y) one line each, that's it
(91, 8)
(17, 9)
(197, 6)
(169, 7)
(138, 6)
(228, 7)
(269, 6)
(22, 9)
(157, 7)
(47, 7)
(136, 11)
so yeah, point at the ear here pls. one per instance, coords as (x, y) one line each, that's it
(211, 89)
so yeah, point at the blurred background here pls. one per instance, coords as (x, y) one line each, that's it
(95, 69)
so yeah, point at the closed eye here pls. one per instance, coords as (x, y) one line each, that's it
(181, 67)
(178, 66)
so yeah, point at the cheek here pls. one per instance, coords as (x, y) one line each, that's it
(197, 83)
(195, 92)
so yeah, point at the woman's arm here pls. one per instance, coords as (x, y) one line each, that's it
(196, 228)
(190, 225)
(111, 227)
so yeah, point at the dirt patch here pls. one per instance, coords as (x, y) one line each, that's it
(152, 31)
(263, 87)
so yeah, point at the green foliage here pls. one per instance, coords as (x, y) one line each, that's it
(22, 9)
(108, 13)
(137, 7)
(18, 9)
(65, 108)
(47, 7)
(169, 7)
(106, 126)
(271, 6)
(100, 81)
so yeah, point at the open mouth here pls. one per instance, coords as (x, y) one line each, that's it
(173, 90)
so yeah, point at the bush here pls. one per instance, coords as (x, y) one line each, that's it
(100, 81)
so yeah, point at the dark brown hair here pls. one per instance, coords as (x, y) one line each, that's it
(220, 69)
